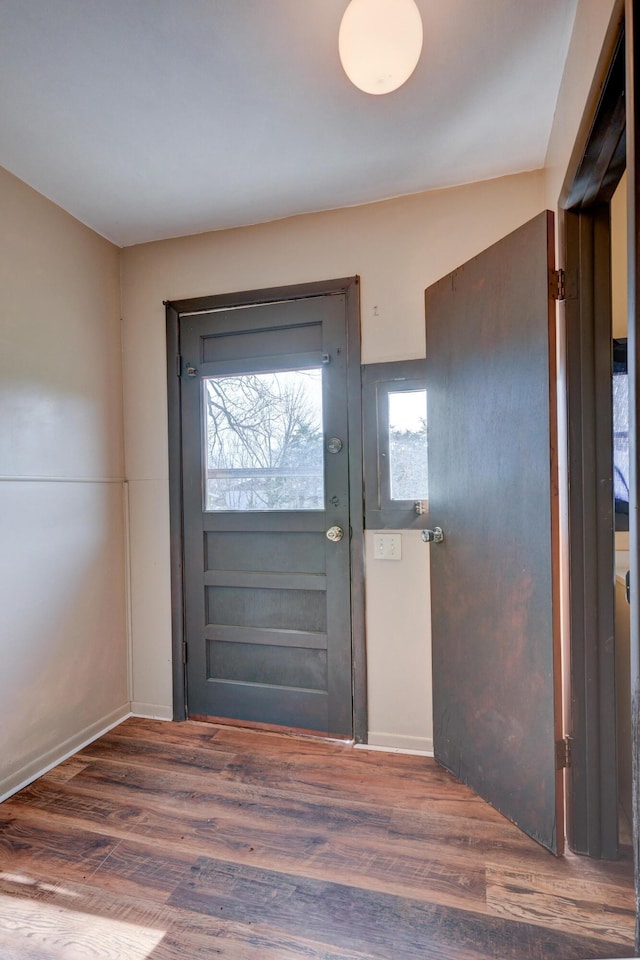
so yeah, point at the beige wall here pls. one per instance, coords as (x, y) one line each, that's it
(619, 323)
(398, 248)
(62, 620)
(619, 259)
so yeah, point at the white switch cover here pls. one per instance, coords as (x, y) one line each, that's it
(387, 546)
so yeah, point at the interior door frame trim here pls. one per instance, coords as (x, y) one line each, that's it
(350, 288)
(597, 163)
(592, 795)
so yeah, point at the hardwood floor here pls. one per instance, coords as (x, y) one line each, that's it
(190, 841)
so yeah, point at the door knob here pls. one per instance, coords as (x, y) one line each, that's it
(431, 536)
(335, 534)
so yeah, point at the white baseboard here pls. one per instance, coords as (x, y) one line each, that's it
(151, 711)
(46, 761)
(398, 743)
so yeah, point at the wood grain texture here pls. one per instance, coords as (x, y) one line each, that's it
(490, 329)
(287, 684)
(166, 841)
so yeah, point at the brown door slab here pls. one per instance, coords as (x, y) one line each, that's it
(493, 490)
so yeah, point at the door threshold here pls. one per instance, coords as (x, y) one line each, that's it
(272, 728)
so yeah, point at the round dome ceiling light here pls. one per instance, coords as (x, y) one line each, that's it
(380, 42)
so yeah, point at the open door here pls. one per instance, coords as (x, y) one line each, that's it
(493, 491)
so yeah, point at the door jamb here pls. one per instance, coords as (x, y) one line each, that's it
(350, 288)
(596, 166)
(176, 529)
(592, 798)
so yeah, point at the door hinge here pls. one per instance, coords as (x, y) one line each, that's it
(557, 285)
(184, 651)
(563, 753)
(178, 364)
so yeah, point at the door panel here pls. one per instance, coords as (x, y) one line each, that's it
(493, 490)
(267, 595)
(286, 552)
(268, 343)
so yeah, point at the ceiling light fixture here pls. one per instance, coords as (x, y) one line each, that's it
(380, 42)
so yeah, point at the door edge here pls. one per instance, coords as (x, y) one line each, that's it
(176, 533)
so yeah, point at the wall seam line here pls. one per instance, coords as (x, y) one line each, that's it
(26, 479)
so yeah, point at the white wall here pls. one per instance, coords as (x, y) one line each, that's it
(62, 619)
(398, 248)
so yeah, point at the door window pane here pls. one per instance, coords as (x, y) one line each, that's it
(264, 441)
(621, 434)
(408, 444)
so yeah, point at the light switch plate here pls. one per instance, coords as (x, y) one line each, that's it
(387, 546)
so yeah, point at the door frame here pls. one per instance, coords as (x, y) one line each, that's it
(349, 287)
(627, 14)
(598, 162)
(592, 795)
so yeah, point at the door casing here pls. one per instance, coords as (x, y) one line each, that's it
(349, 287)
(584, 229)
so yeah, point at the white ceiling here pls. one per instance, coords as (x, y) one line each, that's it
(156, 118)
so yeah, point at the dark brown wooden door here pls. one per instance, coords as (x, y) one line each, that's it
(493, 490)
(266, 514)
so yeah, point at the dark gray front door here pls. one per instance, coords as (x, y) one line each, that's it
(266, 514)
(493, 490)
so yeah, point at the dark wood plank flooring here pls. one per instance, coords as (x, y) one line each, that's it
(188, 841)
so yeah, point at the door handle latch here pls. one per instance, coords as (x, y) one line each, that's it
(433, 536)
